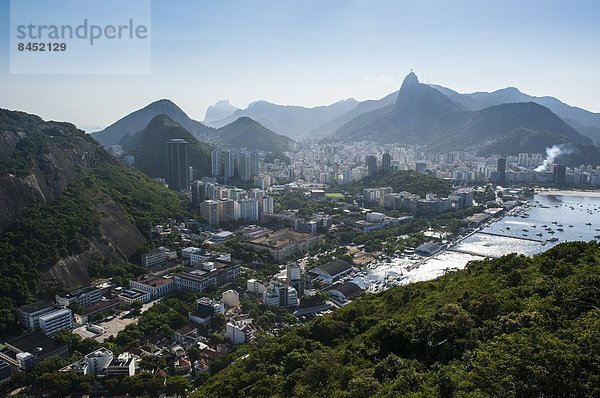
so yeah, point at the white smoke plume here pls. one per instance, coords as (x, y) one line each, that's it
(551, 154)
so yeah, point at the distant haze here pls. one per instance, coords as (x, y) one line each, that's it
(316, 52)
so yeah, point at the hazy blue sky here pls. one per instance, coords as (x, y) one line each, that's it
(315, 52)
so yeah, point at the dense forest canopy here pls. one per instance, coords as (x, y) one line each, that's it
(509, 327)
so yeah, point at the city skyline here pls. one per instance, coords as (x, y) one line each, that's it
(312, 54)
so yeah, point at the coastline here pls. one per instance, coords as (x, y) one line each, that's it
(562, 192)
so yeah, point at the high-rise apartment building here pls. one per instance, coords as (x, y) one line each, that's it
(178, 164)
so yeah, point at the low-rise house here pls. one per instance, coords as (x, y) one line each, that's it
(186, 335)
(182, 365)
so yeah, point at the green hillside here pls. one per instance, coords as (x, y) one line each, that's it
(249, 134)
(508, 327)
(90, 192)
(410, 181)
(149, 147)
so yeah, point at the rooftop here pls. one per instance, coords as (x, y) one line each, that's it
(34, 307)
(78, 292)
(35, 343)
(100, 306)
(279, 239)
(429, 246)
(348, 289)
(154, 281)
(334, 267)
(133, 293)
(223, 234)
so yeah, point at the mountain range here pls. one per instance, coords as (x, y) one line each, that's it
(138, 120)
(221, 109)
(424, 115)
(419, 114)
(277, 117)
(587, 123)
(293, 121)
(242, 132)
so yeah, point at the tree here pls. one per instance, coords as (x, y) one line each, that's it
(167, 331)
(136, 306)
(218, 322)
(215, 339)
(177, 385)
(7, 320)
(65, 383)
(152, 363)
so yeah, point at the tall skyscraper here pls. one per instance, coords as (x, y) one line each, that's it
(244, 166)
(216, 163)
(371, 165)
(386, 162)
(347, 176)
(229, 164)
(501, 168)
(178, 164)
(559, 172)
(522, 159)
(254, 163)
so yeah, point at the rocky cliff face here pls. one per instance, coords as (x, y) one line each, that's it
(119, 240)
(39, 160)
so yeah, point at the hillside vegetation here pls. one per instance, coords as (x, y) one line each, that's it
(247, 133)
(78, 203)
(508, 327)
(410, 181)
(149, 147)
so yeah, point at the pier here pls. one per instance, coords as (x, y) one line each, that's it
(513, 237)
(470, 253)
